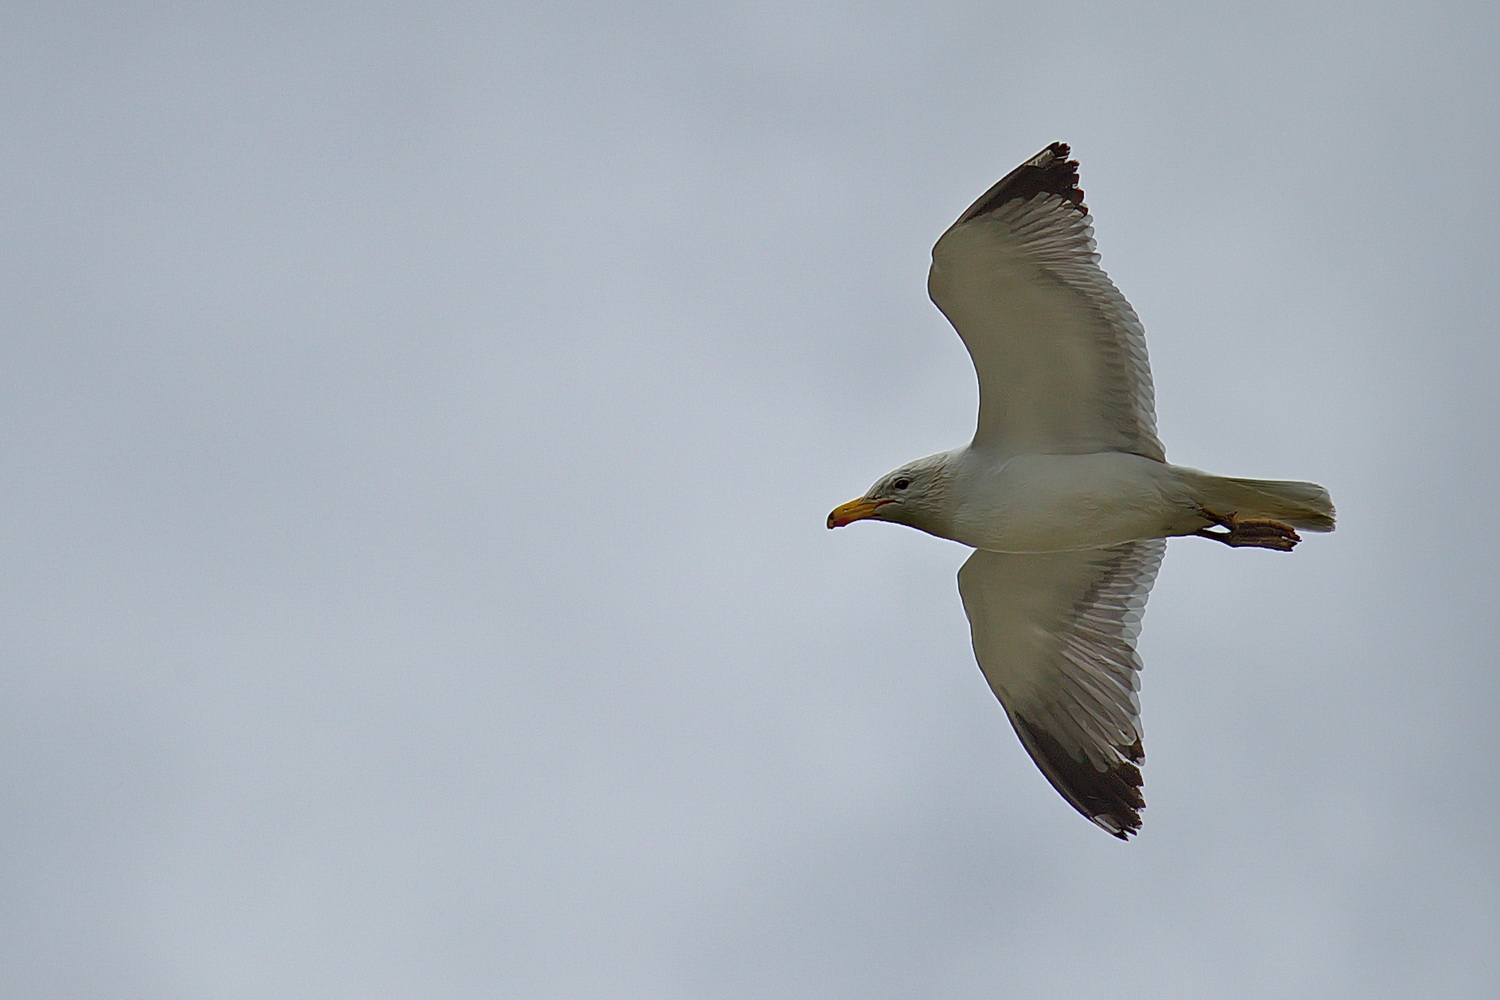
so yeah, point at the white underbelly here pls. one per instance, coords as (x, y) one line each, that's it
(1054, 503)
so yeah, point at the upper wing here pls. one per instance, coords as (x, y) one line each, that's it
(1055, 635)
(1060, 354)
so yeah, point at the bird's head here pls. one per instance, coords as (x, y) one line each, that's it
(915, 494)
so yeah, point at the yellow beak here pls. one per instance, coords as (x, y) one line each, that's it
(854, 510)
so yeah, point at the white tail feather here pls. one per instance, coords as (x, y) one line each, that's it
(1301, 505)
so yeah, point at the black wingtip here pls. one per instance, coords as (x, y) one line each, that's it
(1111, 798)
(1049, 172)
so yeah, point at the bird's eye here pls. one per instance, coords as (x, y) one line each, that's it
(901, 483)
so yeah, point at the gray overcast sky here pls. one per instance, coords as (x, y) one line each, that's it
(418, 425)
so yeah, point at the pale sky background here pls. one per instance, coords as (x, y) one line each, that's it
(418, 425)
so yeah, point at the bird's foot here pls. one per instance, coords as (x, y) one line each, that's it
(1255, 532)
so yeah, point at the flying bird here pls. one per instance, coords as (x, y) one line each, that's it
(1065, 493)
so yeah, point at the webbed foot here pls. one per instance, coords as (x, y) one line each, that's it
(1253, 532)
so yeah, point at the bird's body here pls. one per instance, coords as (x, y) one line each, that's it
(1061, 503)
(1058, 503)
(1065, 492)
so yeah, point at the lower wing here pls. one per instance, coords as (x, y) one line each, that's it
(1055, 635)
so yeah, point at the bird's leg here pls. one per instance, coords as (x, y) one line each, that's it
(1254, 532)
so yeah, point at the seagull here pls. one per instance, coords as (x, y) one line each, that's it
(1065, 493)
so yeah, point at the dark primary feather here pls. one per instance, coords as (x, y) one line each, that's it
(1049, 172)
(1111, 797)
